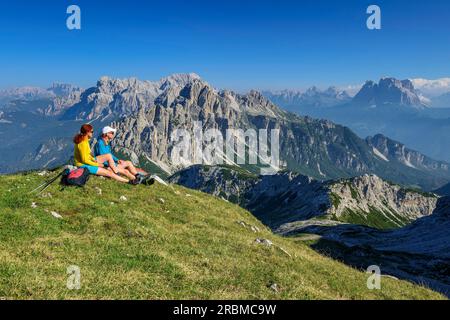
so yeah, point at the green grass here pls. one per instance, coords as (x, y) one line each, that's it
(375, 218)
(181, 247)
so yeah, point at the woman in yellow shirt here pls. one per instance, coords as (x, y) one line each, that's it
(84, 159)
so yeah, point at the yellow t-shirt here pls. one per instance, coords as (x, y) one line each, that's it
(82, 154)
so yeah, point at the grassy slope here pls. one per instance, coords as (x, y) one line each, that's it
(186, 247)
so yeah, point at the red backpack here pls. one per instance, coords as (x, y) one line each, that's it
(77, 177)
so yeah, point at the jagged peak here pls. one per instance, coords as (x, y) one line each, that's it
(389, 90)
(182, 77)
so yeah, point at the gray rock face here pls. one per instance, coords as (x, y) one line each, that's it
(369, 195)
(388, 91)
(149, 131)
(396, 151)
(282, 200)
(123, 96)
(65, 96)
(318, 148)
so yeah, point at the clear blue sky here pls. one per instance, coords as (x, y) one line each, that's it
(231, 44)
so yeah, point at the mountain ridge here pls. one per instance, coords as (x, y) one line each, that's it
(147, 113)
(288, 197)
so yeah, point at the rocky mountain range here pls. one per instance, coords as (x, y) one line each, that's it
(394, 108)
(119, 97)
(346, 216)
(312, 97)
(56, 93)
(147, 113)
(288, 197)
(317, 148)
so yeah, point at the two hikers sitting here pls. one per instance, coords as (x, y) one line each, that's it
(104, 163)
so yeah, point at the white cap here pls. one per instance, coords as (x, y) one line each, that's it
(108, 129)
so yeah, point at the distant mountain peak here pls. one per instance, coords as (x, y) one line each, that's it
(63, 89)
(389, 91)
(312, 97)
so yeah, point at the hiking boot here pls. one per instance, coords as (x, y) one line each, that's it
(148, 181)
(134, 182)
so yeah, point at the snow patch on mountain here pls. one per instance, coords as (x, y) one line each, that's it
(379, 154)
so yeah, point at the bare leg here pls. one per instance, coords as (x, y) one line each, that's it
(108, 158)
(129, 166)
(110, 174)
(142, 171)
(125, 172)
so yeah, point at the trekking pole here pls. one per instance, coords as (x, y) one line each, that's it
(45, 185)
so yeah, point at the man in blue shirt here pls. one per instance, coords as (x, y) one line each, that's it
(103, 146)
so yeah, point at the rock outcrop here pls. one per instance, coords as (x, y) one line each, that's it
(282, 200)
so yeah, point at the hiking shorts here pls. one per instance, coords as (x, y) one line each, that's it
(91, 169)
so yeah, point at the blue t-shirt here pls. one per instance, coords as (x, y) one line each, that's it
(102, 148)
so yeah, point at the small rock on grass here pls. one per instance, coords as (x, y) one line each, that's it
(33, 205)
(255, 229)
(123, 198)
(274, 287)
(56, 215)
(265, 242)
